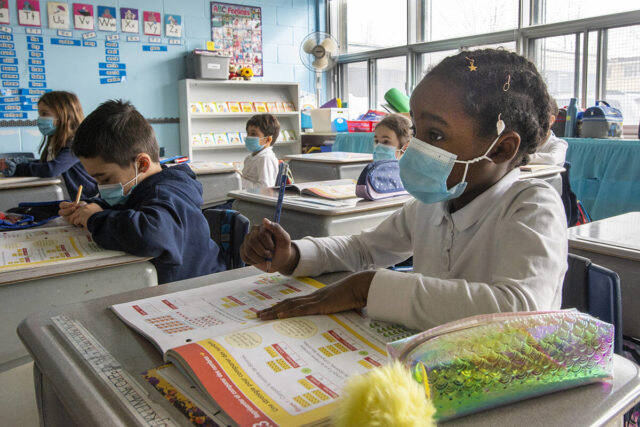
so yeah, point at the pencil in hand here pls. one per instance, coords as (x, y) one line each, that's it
(78, 195)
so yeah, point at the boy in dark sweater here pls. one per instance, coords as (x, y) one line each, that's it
(144, 208)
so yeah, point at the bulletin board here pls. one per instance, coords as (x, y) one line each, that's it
(236, 31)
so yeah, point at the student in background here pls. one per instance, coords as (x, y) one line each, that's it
(144, 208)
(553, 150)
(391, 137)
(261, 166)
(59, 115)
(482, 240)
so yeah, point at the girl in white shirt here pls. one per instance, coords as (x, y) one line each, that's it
(482, 240)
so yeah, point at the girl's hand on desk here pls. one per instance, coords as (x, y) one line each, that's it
(268, 247)
(349, 293)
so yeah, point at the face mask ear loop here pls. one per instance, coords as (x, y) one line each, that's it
(466, 169)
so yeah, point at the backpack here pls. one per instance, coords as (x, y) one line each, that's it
(380, 180)
(601, 121)
(29, 215)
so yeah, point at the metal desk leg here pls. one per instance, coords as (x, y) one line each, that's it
(50, 410)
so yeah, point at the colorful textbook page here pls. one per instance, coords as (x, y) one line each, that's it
(30, 248)
(284, 372)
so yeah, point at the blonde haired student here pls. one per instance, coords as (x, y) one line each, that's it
(59, 115)
(482, 240)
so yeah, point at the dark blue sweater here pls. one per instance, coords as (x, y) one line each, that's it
(65, 164)
(162, 219)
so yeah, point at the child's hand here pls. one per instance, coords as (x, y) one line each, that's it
(269, 248)
(349, 293)
(65, 209)
(82, 213)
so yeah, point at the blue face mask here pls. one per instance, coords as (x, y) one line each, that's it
(46, 126)
(252, 143)
(424, 169)
(383, 152)
(113, 194)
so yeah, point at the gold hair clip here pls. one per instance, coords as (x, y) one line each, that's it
(471, 66)
(507, 85)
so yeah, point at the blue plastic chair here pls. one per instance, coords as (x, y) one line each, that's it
(593, 289)
(228, 229)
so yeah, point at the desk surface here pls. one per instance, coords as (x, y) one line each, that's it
(616, 236)
(89, 401)
(360, 206)
(208, 168)
(27, 181)
(334, 157)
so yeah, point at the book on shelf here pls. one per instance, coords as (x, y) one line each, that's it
(222, 107)
(289, 107)
(220, 139)
(272, 107)
(196, 107)
(260, 107)
(281, 107)
(207, 138)
(234, 138)
(281, 372)
(247, 107)
(196, 139)
(234, 107)
(209, 107)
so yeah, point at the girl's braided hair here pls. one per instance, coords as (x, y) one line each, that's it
(496, 81)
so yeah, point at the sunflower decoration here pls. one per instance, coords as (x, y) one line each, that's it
(246, 73)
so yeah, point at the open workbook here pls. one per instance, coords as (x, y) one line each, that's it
(281, 372)
(30, 248)
(337, 189)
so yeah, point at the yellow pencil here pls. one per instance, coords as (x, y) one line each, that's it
(79, 194)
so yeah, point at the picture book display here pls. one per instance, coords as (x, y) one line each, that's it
(241, 107)
(30, 248)
(282, 372)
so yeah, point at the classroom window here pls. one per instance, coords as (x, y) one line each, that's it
(456, 18)
(431, 59)
(565, 10)
(358, 88)
(622, 89)
(375, 24)
(555, 59)
(391, 73)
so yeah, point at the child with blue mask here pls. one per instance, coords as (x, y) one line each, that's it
(260, 167)
(482, 239)
(391, 137)
(59, 115)
(143, 208)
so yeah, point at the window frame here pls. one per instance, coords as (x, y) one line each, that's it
(524, 36)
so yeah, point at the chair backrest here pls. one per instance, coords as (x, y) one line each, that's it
(228, 229)
(593, 289)
(569, 199)
(26, 154)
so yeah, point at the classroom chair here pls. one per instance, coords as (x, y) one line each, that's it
(228, 229)
(569, 199)
(595, 290)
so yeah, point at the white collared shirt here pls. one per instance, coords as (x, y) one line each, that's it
(552, 151)
(260, 169)
(504, 251)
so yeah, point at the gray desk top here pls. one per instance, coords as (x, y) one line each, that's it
(269, 198)
(332, 157)
(94, 403)
(617, 236)
(27, 181)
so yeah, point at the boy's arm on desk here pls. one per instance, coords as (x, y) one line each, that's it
(147, 232)
(385, 245)
(61, 163)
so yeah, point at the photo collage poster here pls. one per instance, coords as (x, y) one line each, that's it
(236, 31)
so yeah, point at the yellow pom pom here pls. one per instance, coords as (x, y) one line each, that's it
(386, 396)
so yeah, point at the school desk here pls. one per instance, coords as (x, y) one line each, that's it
(550, 173)
(15, 190)
(302, 220)
(605, 175)
(68, 390)
(36, 289)
(216, 183)
(327, 166)
(614, 243)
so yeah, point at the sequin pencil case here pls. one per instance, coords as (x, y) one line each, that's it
(486, 361)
